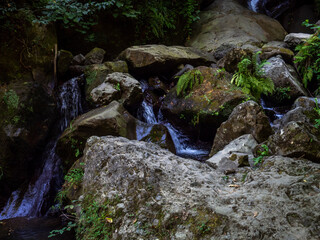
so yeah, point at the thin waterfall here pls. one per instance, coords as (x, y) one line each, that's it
(33, 200)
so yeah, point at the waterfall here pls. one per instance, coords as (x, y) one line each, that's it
(32, 202)
(253, 5)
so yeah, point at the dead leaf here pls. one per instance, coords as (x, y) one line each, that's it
(109, 220)
(234, 185)
(255, 214)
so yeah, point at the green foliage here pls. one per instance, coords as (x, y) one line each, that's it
(308, 57)
(61, 231)
(250, 78)
(281, 94)
(188, 81)
(317, 109)
(262, 154)
(11, 99)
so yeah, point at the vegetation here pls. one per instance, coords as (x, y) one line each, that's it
(250, 78)
(281, 94)
(188, 81)
(262, 154)
(308, 57)
(317, 109)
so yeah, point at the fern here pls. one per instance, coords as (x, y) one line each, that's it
(250, 78)
(308, 57)
(188, 81)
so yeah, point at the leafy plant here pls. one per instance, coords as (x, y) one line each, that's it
(281, 94)
(61, 231)
(188, 81)
(11, 99)
(262, 154)
(308, 57)
(250, 77)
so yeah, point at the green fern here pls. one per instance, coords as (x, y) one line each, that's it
(188, 81)
(308, 57)
(250, 78)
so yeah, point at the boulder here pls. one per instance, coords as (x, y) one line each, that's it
(108, 120)
(207, 105)
(284, 77)
(96, 74)
(118, 86)
(148, 60)
(294, 39)
(78, 60)
(246, 118)
(272, 51)
(95, 56)
(296, 139)
(148, 193)
(226, 24)
(230, 61)
(236, 153)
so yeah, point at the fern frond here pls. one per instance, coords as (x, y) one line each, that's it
(188, 81)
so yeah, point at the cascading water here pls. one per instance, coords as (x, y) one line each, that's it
(253, 5)
(184, 146)
(32, 203)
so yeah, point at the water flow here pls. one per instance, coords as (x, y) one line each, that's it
(253, 5)
(33, 200)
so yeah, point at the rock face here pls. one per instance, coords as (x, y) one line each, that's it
(118, 86)
(226, 24)
(208, 106)
(296, 139)
(95, 56)
(108, 120)
(236, 153)
(294, 39)
(283, 76)
(150, 193)
(155, 59)
(246, 118)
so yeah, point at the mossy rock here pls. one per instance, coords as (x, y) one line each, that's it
(64, 60)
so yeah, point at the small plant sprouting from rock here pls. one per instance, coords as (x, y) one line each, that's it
(188, 81)
(281, 94)
(262, 154)
(250, 78)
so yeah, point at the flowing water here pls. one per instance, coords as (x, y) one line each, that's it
(33, 202)
(183, 144)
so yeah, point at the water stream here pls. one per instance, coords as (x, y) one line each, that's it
(33, 202)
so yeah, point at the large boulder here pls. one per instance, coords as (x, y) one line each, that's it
(295, 139)
(144, 192)
(246, 118)
(95, 56)
(226, 24)
(108, 120)
(236, 153)
(284, 77)
(148, 60)
(118, 86)
(207, 105)
(294, 39)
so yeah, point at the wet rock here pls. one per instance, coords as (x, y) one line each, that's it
(296, 139)
(108, 120)
(148, 60)
(226, 24)
(145, 185)
(207, 105)
(236, 153)
(118, 86)
(95, 56)
(246, 118)
(294, 39)
(283, 76)
(96, 74)
(160, 135)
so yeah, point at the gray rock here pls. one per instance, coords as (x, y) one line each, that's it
(284, 76)
(236, 153)
(294, 39)
(78, 60)
(226, 24)
(95, 56)
(246, 118)
(278, 201)
(118, 86)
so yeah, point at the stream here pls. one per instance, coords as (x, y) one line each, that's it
(25, 206)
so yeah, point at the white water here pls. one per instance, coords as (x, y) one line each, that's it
(253, 5)
(31, 203)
